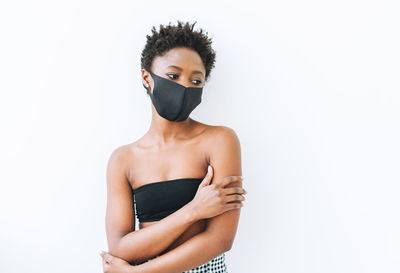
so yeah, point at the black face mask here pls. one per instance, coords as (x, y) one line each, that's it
(172, 100)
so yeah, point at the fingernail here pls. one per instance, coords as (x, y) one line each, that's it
(209, 168)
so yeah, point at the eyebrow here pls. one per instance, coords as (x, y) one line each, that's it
(179, 68)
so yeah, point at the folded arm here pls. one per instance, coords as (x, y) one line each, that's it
(218, 237)
(123, 241)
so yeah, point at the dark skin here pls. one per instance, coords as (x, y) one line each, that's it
(171, 150)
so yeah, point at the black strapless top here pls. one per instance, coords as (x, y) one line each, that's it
(156, 200)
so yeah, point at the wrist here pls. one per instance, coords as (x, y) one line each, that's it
(190, 213)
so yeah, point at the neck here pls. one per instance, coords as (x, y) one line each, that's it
(165, 131)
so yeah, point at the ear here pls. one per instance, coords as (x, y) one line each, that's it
(146, 80)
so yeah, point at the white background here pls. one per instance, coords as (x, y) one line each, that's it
(310, 87)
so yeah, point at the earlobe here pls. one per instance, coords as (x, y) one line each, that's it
(145, 80)
(146, 86)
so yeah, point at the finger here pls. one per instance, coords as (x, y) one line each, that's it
(229, 179)
(104, 262)
(234, 198)
(233, 190)
(230, 206)
(102, 253)
(106, 267)
(107, 257)
(206, 181)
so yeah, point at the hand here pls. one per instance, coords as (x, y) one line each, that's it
(214, 199)
(113, 264)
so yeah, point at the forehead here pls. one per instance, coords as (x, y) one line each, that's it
(183, 57)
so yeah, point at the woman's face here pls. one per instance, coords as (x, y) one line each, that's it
(181, 65)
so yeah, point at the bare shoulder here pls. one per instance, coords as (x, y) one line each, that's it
(119, 154)
(220, 143)
(119, 160)
(222, 136)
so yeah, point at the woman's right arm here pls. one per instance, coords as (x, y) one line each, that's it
(123, 241)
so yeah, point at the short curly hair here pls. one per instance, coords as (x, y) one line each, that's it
(182, 34)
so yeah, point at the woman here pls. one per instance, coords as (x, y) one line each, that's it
(183, 176)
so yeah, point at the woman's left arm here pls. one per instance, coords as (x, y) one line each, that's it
(225, 158)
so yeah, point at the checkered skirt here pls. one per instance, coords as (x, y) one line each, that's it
(216, 265)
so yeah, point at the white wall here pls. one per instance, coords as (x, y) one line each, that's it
(310, 87)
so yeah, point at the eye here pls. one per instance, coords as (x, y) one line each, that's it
(198, 82)
(172, 75)
(175, 76)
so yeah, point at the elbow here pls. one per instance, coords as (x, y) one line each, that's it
(224, 243)
(227, 245)
(113, 248)
(117, 249)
